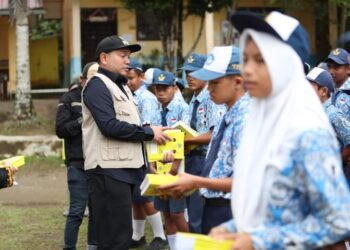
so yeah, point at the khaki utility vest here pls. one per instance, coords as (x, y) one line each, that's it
(108, 152)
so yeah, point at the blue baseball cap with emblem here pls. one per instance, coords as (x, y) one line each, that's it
(163, 77)
(221, 61)
(134, 64)
(321, 77)
(339, 56)
(281, 26)
(194, 62)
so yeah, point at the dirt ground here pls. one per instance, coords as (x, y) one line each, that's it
(42, 182)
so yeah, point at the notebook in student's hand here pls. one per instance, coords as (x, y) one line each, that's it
(176, 145)
(16, 161)
(189, 132)
(191, 241)
(151, 183)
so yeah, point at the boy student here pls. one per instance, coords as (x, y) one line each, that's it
(205, 115)
(142, 205)
(323, 84)
(222, 71)
(338, 64)
(170, 111)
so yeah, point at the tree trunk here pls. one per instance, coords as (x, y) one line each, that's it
(200, 31)
(179, 35)
(23, 104)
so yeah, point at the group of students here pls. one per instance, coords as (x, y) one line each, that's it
(270, 162)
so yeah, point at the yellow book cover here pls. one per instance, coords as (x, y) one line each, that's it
(16, 161)
(149, 186)
(151, 183)
(189, 132)
(176, 144)
(163, 168)
(187, 241)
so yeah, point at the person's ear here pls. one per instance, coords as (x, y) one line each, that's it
(238, 81)
(324, 91)
(103, 58)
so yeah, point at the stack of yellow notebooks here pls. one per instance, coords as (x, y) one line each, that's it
(176, 145)
(16, 161)
(151, 183)
(188, 131)
(190, 241)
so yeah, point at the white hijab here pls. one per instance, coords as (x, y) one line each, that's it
(272, 127)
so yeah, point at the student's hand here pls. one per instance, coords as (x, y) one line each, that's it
(242, 241)
(168, 156)
(152, 168)
(185, 183)
(159, 136)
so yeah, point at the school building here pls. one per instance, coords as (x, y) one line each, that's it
(64, 34)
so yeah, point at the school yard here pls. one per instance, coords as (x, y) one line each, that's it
(31, 213)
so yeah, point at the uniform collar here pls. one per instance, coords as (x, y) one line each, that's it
(201, 96)
(113, 76)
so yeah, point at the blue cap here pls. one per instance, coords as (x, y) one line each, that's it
(281, 26)
(339, 56)
(163, 77)
(222, 61)
(322, 78)
(134, 64)
(180, 82)
(194, 62)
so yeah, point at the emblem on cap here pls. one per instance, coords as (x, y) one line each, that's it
(235, 66)
(336, 52)
(190, 59)
(124, 41)
(161, 77)
(210, 59)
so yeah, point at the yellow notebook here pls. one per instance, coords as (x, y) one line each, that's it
(149, 186)
(151, 183)
(189, 132)
(187, 241)
(155, 151)
(16, 161)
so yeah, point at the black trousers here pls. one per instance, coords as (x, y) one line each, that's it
(112, 213)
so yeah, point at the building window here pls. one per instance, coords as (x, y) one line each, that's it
(147, 28)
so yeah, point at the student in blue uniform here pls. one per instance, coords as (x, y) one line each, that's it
(222, 71)
(338, 65)
(289, 191)
(142, 205)
(323, 84)
(205, 115)
(170, 111)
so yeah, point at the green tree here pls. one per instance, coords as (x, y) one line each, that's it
(171, 14)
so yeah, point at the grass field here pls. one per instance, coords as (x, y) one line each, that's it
(31, 218)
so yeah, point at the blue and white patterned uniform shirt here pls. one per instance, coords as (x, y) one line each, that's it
(208, 113)
(340, 99)
(309, 201)
(340, 124)
(223, 166)
(146, 103)
(178, 111)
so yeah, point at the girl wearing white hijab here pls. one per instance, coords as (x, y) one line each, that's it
(289, 191)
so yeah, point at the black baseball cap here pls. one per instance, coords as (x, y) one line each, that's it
(115, 42)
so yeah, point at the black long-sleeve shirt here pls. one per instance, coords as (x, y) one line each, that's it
(68, 126)
(99, 101)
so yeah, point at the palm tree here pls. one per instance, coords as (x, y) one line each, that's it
(19, 15)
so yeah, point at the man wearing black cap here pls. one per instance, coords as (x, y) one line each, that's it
(113, 143)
